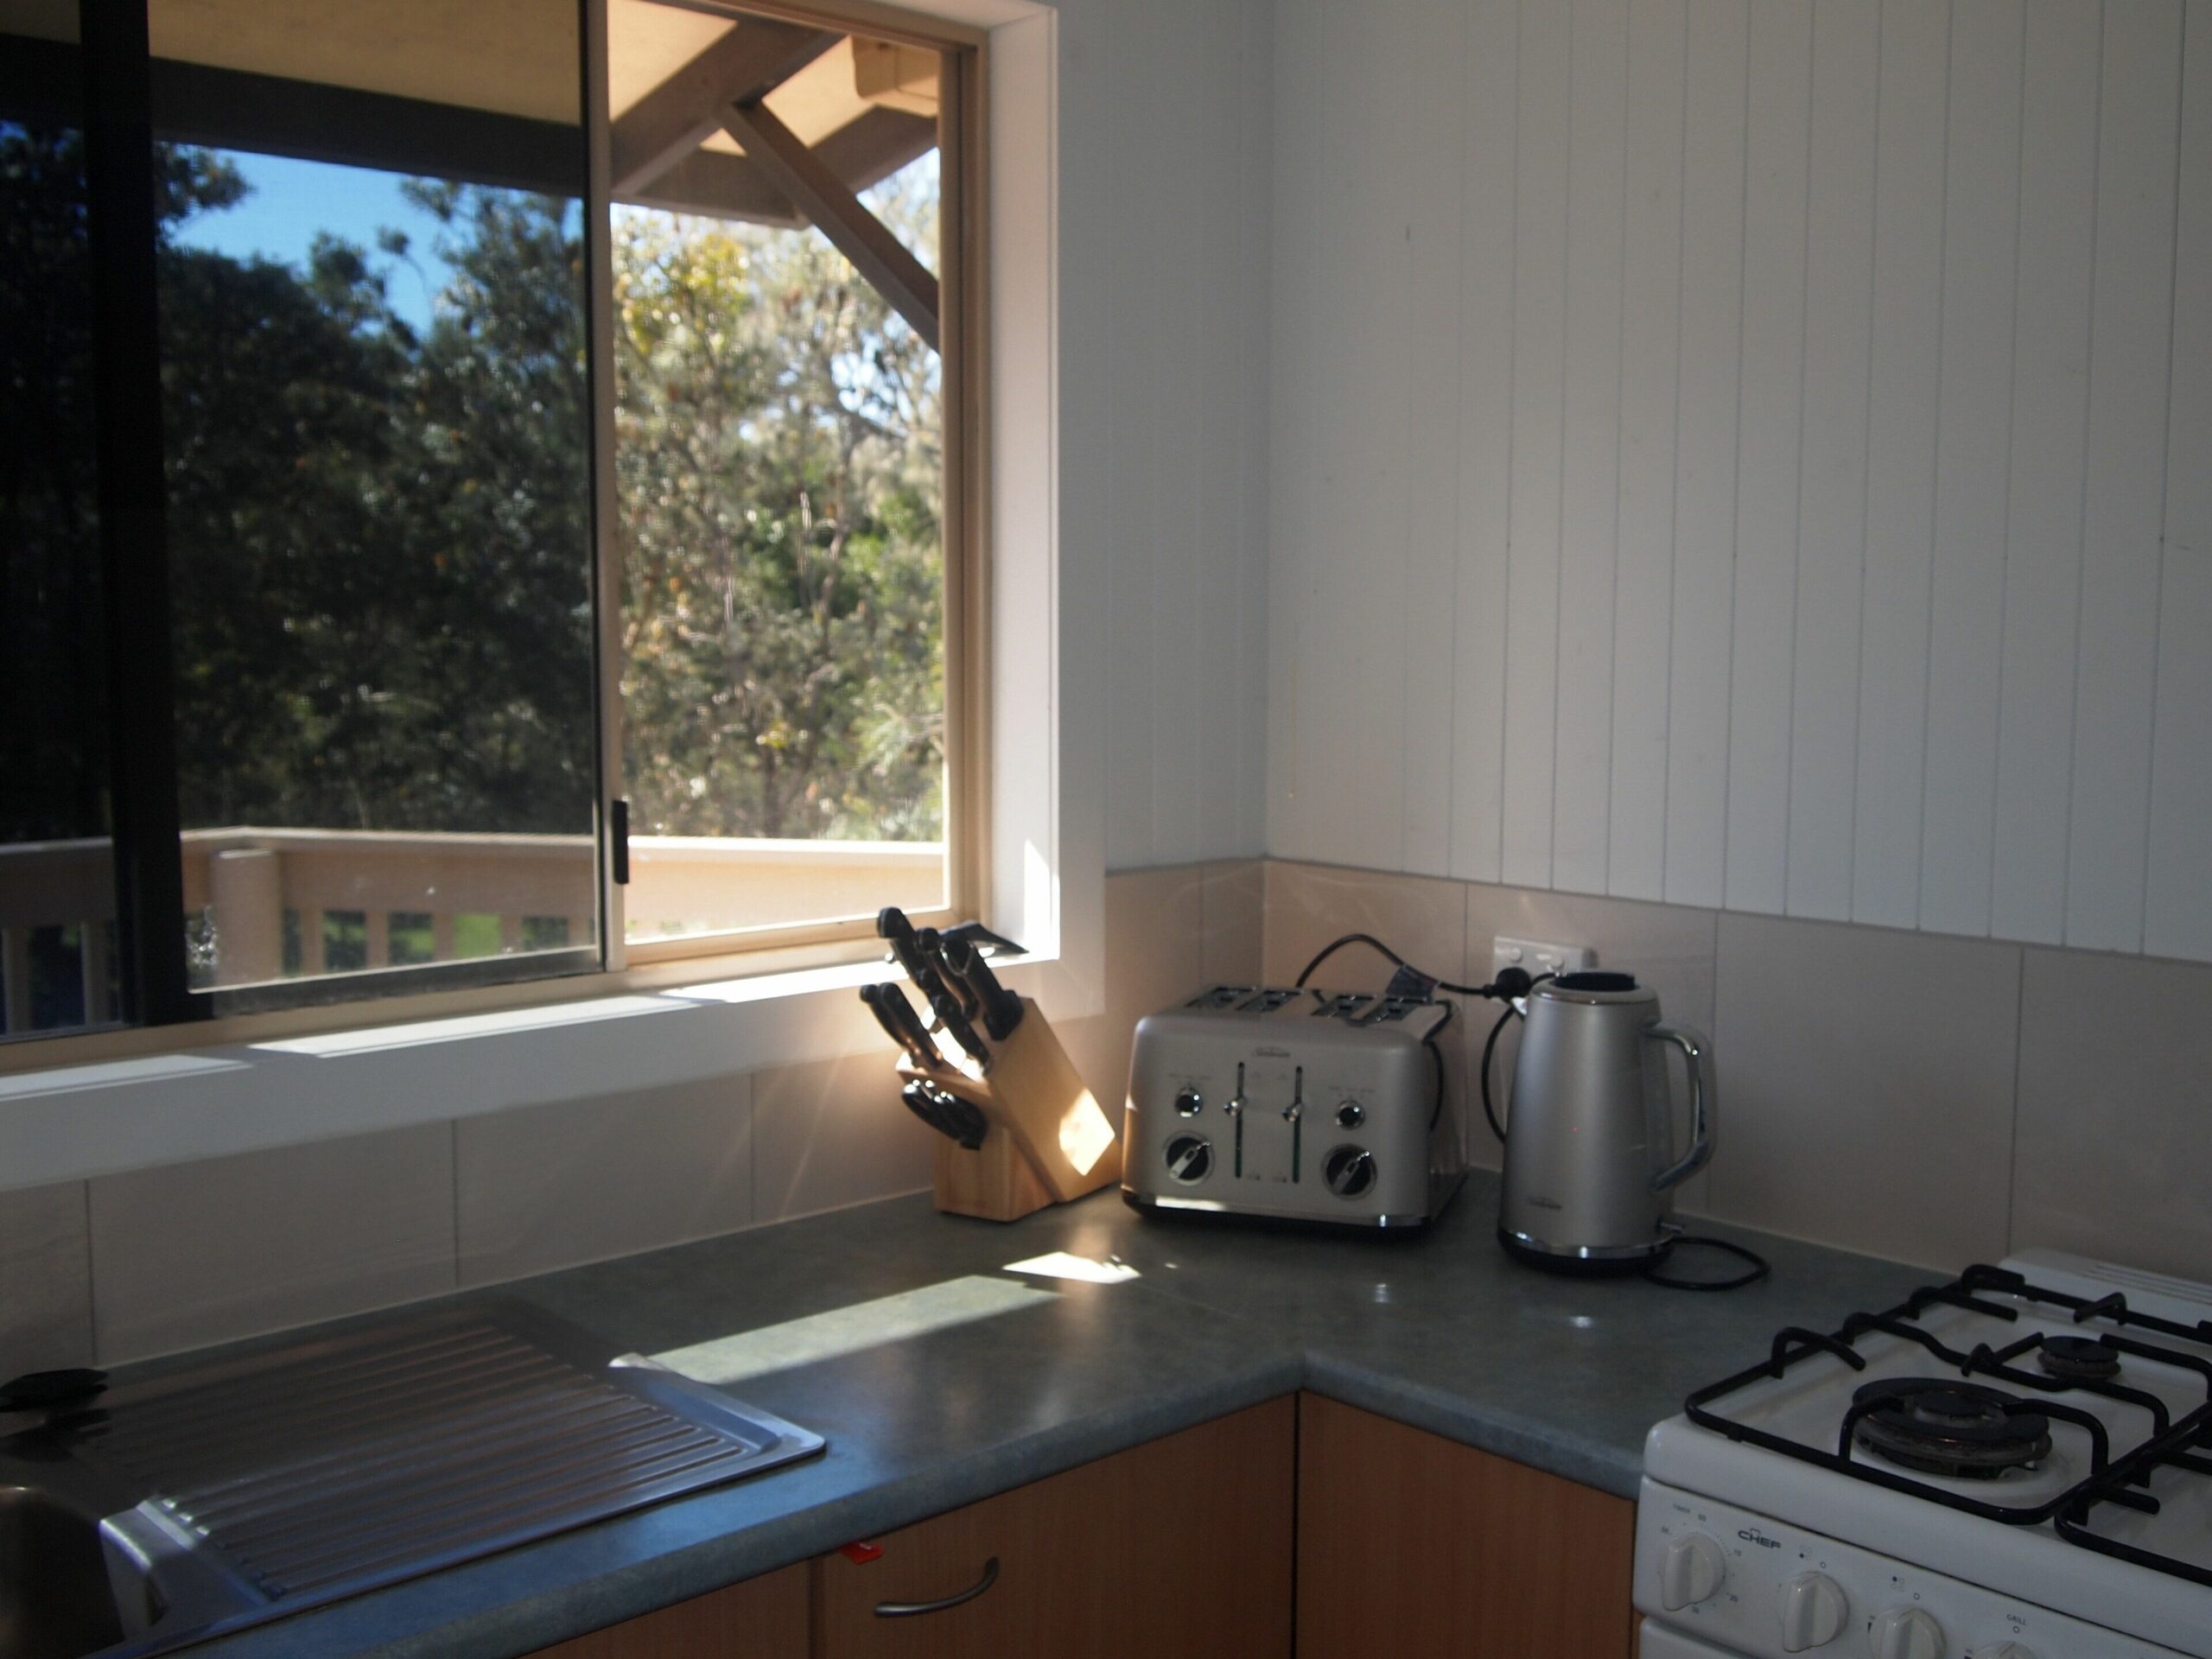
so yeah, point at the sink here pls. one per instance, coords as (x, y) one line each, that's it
(224, 1493)
(55, 1599)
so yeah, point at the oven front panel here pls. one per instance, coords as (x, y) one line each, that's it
(1735, 1582)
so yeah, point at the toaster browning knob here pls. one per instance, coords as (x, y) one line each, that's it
(1351, 1115)
(1349, 1171)
(1189, 1102)
(1189, 1159)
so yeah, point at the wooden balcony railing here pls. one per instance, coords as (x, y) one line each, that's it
(272, 904)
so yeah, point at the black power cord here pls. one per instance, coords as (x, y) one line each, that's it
(1508, 987)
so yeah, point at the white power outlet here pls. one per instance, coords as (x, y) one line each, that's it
(1538, 957)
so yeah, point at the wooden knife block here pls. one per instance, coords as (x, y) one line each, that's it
(1049, 1140)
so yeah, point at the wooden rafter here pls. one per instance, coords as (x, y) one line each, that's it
(801, 175)
(719, 186)
(668, 123)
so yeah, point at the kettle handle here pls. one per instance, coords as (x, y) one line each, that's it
(1693, 1045)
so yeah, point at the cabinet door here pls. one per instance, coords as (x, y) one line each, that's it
(1409, 1543)
(1179, 1548)
(761, 1618)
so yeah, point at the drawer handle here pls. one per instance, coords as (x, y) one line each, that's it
(912, 1609)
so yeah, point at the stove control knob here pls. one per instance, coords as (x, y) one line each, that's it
(1814, 1612)
(1691, 1573)
(1906, 1633)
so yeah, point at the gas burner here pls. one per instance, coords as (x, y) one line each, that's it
(1958, 1429)
(2078, 1359)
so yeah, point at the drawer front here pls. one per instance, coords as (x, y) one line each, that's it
(1182, 1546)
(761, 1618)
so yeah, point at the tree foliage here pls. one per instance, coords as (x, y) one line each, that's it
(380, 536)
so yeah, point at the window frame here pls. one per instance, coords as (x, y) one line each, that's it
(157, 1012)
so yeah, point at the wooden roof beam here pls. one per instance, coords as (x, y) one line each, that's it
(668, 123)
(816, 191)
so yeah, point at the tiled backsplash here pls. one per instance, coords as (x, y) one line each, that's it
(1908, 1095)
(1928, 1098)
(127, 1266)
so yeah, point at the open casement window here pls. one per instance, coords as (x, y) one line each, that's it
(487, 495)
(783, 336)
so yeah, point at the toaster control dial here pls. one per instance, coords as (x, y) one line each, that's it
(1189, 1159)
(1351, 1115)
(1349, 1171)
(1189, 1102)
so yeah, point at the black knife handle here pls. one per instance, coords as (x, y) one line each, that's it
(1000, 1009)
(905, 1026)
(954, 1019)
(930, 944)
(891, 924)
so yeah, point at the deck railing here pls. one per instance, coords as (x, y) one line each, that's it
(270, 904)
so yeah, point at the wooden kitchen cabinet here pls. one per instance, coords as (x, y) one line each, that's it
(1177, 1550)
(1409, 1543)
(761, 1618)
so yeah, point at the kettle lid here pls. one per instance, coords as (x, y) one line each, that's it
(1595, 985)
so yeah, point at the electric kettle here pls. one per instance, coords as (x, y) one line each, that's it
(1590, 1163)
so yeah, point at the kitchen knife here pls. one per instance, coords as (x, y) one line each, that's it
(930, 944)
(954, 1019)
(998, 1008)
(891, 924)
(897, 1017)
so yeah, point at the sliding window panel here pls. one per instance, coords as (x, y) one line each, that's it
(57, 879)
(377, 432)
(780, 457)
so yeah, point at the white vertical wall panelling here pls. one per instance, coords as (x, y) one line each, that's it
(1704, 540)
(1217, 723)
(1981, 212)
(2051, 372)
(1435, 111)
(1651, 334)
(1255, 135)
(1131, 300)
(1832, 454)
(1491, 118)
(2179, 921)
(1292, 416)
(1177, 599)
(1772, 371)
(1590, 500)
(1901, 427)
(2130, 324)
(1540, 241)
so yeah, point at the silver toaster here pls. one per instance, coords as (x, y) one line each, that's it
(1303, 1105)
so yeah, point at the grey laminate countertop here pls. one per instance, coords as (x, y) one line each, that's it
(939, 1378)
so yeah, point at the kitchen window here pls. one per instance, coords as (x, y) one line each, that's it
(489, 496)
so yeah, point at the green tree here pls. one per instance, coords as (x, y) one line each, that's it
(779, 455)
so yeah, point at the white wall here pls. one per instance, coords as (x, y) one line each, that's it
(1164, 281)
(1750, 453)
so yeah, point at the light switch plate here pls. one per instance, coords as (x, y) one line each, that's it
(1539, 956)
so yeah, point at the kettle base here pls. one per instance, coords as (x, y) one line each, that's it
(1610, 1262)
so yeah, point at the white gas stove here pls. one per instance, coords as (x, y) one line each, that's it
(2017, 1464)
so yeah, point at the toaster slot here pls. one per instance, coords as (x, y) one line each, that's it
(1267, 1001)
(1220, 996)
(1344, 1005)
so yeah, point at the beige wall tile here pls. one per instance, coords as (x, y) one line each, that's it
(2114, 1153)
(1866, 1081)
(833, 1134)
(1667, 947)
(1232, 914)
(204, 1252)
(1422, 918)
(46, 1279)
(549, 1186)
